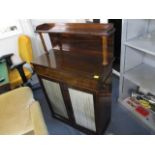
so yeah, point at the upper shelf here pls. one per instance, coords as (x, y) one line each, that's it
(144, 43)
(76, 28)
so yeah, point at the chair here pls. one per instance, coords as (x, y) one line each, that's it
(20, 114)
(18, 74)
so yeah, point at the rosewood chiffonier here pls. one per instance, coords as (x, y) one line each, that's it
(76, 73)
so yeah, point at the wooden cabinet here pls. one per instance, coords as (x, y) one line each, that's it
(75, 96)
(76, 74)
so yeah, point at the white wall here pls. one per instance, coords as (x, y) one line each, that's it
(9, 45)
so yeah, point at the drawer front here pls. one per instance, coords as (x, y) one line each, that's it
(83, 108)
(70, 79)
(54, 94)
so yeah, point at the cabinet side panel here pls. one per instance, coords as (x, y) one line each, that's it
(55, 96)
(83, 108)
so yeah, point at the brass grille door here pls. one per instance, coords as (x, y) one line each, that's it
(83, 108)
(54, 94)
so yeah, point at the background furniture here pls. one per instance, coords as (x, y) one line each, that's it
(4, 85)
(18, 74)
(20, 113)
(138, 62)
(74, 78)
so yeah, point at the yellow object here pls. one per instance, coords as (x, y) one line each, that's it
(15, 78)
(20, 113)
(145, 104)
(25, 53)
(96, 77)
(25, 48)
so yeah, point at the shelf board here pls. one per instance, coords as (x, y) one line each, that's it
(150, 122)
(145, 44)
(142, 75)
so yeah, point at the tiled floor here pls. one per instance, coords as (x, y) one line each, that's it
(121, 121)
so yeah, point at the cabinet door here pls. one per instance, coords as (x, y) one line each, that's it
(54, 94)
(83, 108)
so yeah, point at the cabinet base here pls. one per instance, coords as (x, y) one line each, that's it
(80, 128)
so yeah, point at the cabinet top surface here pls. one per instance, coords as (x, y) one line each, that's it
(75, 63)
(76, 28)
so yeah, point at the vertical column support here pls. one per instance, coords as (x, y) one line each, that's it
(60, 43)
(105, 50)
(43, 42)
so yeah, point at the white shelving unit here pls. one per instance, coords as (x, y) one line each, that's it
(137, 62)
(144, 43)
